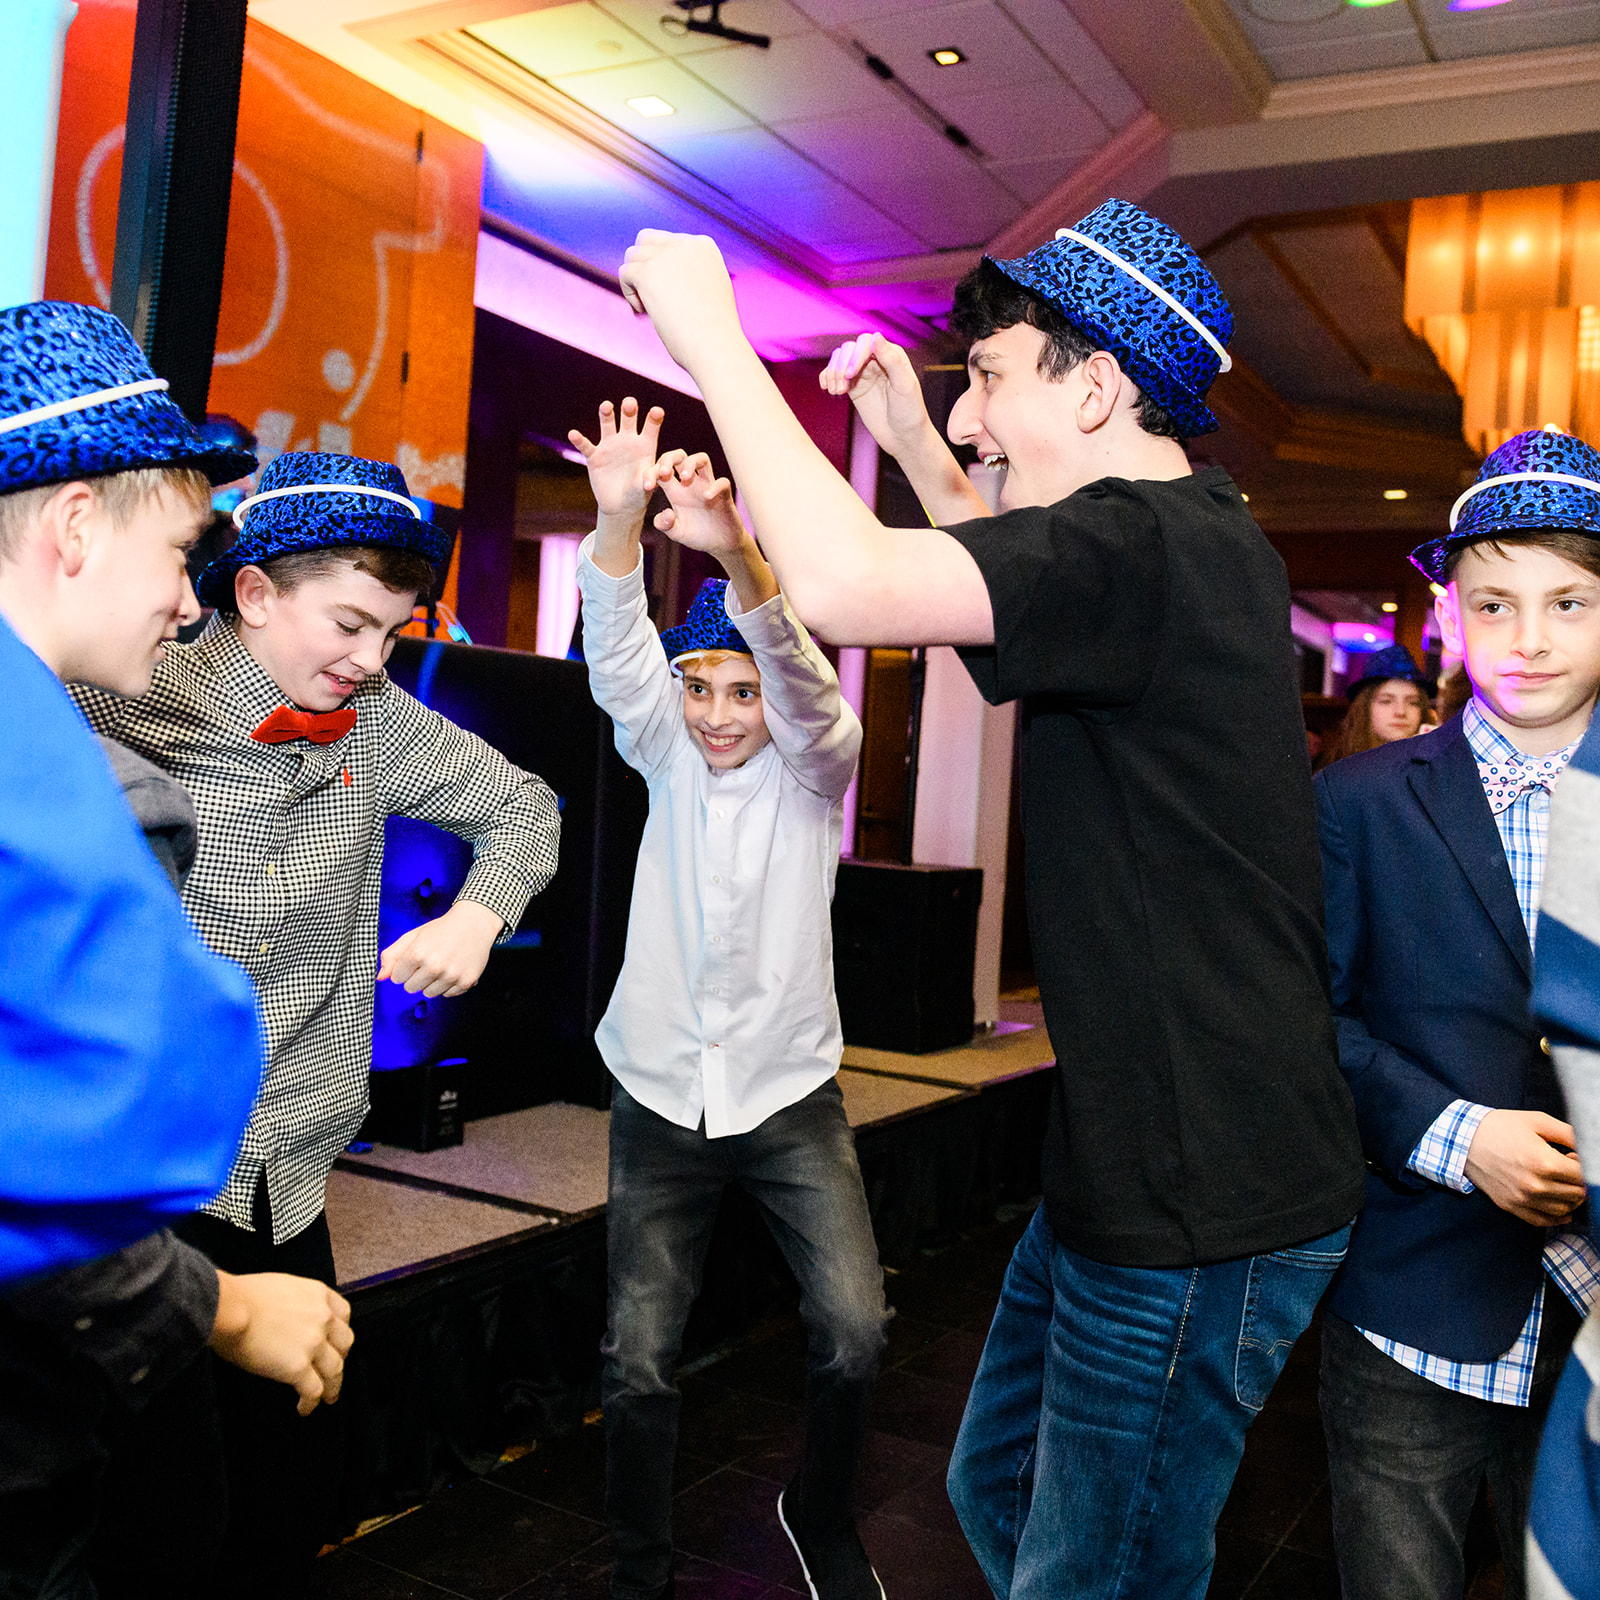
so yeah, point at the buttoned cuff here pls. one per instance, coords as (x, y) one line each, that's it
(501, 891)
(1441, 1153)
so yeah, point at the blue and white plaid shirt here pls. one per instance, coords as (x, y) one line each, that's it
(1518, 788)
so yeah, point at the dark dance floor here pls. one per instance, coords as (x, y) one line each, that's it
(533, 1528)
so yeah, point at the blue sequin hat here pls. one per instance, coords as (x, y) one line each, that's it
(1541, 480)
(1128, 282)
(1395, 662)
(309, 501)
(706, 627)
(78, 399)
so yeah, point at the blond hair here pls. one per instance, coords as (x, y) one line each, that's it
(122, 495)
(707, 659)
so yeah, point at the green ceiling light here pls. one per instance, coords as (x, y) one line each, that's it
(1366, 5)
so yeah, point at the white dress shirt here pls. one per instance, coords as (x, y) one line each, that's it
(725, 1005)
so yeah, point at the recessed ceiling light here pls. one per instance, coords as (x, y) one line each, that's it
(1394, 494)
(946, 57)
(1391, 605)
(1439, 590)
(1371, 638)
(651, 105)
(1243, 496)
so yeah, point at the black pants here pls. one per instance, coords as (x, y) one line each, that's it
(1406, 1457)
(666, 1183)
(141, 1519)
(282, 1469)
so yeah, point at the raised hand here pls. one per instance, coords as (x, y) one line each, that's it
(883, 387)
(700, 510)
(681, 282)
(622, 465)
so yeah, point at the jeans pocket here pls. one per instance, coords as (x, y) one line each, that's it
(1280, 1295)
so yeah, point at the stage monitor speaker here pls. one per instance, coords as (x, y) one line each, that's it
(177, 179)
(905, 942)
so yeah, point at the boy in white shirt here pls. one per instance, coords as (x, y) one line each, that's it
(722, 1035)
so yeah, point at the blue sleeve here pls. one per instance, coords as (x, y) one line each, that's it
(129, 1054)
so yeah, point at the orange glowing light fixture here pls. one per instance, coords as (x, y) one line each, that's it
(1505, 288)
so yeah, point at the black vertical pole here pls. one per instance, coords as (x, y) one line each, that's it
(177, 176)
(918, 687)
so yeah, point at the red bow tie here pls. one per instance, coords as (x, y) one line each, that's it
(320, 727)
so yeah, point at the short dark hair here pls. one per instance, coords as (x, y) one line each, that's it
(986, 300)
(393, 567)
(1581, 549)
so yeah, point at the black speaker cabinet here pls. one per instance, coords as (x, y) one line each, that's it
(417, 1108)
(905, 942)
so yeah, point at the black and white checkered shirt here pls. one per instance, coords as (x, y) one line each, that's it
(287, 877)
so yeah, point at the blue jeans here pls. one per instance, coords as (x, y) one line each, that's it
(666, 1182)
(1109, 1412)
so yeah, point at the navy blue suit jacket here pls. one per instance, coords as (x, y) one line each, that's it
(1430, 967)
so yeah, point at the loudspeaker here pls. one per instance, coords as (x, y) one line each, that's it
(417, 1108)
(905, 943)
(177, 180)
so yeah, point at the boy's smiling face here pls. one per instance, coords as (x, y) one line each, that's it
(1527, 623)
(322, 638)
(723, 711)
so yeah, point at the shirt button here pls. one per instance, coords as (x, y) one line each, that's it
(715, 878)
(83, 1324)
(140, 1375)
(1544, 1044)
(716, 938)
(715, 1046)
(719, 816)
(264, 948)
(715, 990)
(271, 869)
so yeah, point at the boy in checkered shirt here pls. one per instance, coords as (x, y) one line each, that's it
(295, 746)
(1446, 1328)
(722, 1036)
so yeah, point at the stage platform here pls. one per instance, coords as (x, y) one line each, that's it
(477, 1273)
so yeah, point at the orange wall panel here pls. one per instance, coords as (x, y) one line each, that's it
(347, 316)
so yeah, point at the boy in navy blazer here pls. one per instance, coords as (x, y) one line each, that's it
(1447, 1326)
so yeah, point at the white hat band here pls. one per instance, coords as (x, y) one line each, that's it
(1520, 477)
(82, 402)
(322, 488)
(1155, 289)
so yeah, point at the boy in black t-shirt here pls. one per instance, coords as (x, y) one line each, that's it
(1201, 1162)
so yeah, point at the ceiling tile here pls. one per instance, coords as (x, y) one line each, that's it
(1028, 120)
(808, 75)
(1506, 30)
(833, 13)
(571, 38)
(696, 107)
(1031, 181)
(1058, 33)
(998, 52)
(783, 187)
(1313, 59)
(909, 172)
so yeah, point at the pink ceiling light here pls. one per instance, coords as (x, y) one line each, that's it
(1474, 5)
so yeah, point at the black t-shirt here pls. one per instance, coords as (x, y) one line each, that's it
(1173, 876)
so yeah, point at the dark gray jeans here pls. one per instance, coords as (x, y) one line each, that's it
(1406, 1457)
(666, 1183)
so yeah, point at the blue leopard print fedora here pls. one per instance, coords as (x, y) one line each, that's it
(1395, 662)
(1541, 479)
(1107, 277)
(306, 500)
(78, 399)
(706, 627)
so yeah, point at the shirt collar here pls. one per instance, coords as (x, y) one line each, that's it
(244, 693)
(1505, 771)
